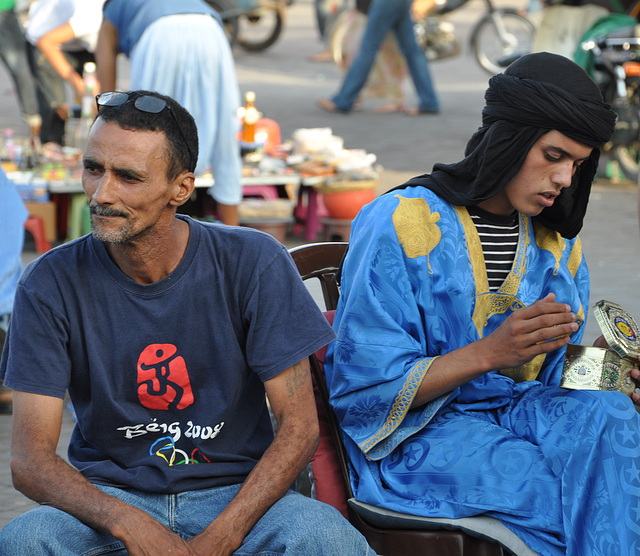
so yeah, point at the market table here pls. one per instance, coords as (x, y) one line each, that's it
(307, 170)
(75, 185)
(307, 210)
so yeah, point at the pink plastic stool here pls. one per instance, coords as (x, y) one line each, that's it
(264, 191)
(308, 212)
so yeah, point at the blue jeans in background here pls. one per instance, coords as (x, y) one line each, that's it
(385, 16)
(295, 525)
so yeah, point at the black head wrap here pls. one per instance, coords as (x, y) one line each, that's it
(538, 93)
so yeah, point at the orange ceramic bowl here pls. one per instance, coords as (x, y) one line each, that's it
(344, 205)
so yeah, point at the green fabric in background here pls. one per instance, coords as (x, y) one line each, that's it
(601, 27)
(6, 5)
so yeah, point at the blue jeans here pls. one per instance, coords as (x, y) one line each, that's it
(321, 16)
(385, 16)
(13, 52)
(294, 525)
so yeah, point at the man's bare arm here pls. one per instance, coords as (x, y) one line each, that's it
(291, 397)
(106, 56)
(540, 328)
(39, 473)
(49, 45)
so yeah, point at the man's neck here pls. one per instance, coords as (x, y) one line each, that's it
(151, 259)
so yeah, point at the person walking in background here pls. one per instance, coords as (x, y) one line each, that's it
(180, 49)
(13, 51)
(13, 215)
(386, 77)
(62, 35)
(326, 11)
(385, 16)
(321, 11)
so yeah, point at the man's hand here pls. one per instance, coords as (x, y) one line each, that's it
(539, 328)
(213, 541)
(422, 8)
(601, 343)
(148, 537)
(39, 473)
(634, 373)
(635, 376)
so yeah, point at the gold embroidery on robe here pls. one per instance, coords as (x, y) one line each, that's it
(402, 402)
(494, 303)
(575, 257)
(416, 227)
(505, 299)
(554, 243)
(528, 371)
(474, 248)
(550, 241)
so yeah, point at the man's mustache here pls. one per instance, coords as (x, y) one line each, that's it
(99, 210)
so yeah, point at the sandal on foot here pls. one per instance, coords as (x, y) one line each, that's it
(420, 111)
(389, 108)
(328, 105)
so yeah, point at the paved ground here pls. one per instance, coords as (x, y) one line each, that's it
(287, 84)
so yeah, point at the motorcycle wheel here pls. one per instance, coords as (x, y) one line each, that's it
(260, 28)
(494, 53)
(624, 146)
(230, 24)
(628, 157)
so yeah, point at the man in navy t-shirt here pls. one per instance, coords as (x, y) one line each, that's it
(166, 332)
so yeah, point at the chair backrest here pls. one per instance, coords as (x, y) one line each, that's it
(329, 464)
(321, 261)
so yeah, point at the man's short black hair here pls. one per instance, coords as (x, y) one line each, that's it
(180, 155)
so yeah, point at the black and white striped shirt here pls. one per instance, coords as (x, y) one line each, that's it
(499, 238)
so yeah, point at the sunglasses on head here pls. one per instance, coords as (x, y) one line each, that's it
(145, 103)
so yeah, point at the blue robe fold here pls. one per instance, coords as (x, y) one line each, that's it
(560, 468)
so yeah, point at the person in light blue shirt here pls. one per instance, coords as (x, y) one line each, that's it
(180, 49)
(13, 215)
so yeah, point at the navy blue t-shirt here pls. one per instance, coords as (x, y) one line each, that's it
(166, 378)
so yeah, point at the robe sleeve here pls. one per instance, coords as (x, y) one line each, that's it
(380, 358)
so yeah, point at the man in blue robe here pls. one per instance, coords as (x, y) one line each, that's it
(460, 292)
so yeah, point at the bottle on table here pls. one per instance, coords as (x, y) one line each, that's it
(87, 111)
(8, 146)
(30, 155)
(250, 118)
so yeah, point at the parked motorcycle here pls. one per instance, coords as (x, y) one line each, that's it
(253, 24)
(615, 66)
(436, 35)
(500, 34)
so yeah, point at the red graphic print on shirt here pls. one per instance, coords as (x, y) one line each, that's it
(163, 378)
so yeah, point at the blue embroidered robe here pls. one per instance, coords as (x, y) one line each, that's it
(560, 468)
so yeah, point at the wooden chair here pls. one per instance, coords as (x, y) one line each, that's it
(389, 533)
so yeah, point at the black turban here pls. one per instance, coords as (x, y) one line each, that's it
(538, 93)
